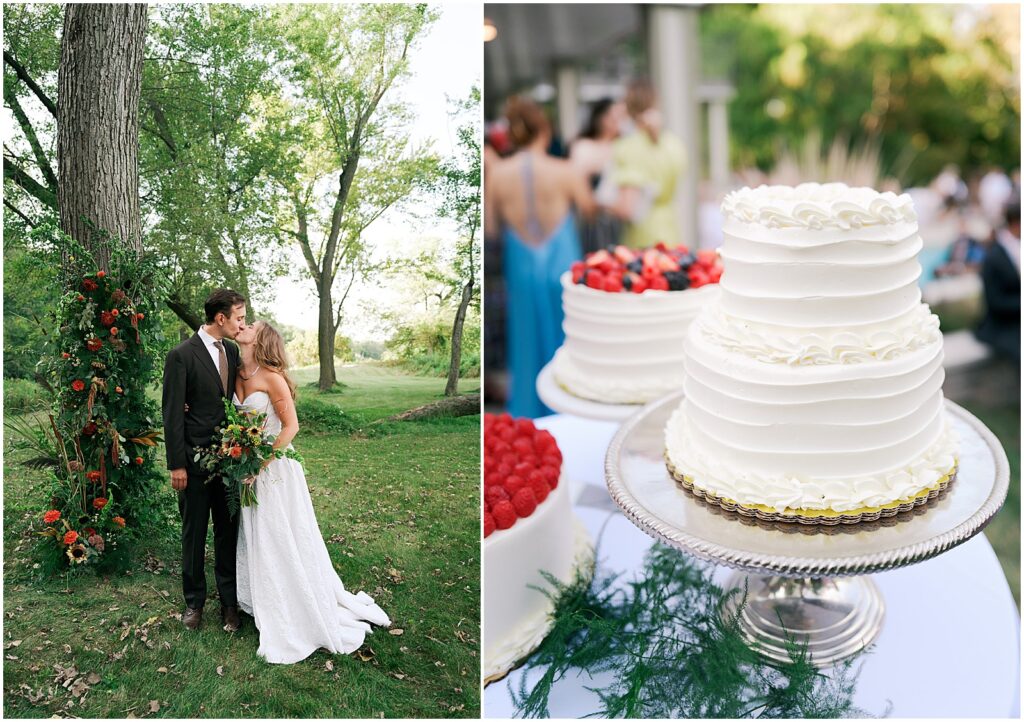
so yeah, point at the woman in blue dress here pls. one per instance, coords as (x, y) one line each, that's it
(531, 201)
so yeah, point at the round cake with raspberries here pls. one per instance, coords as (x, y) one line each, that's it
(529, 531)
(627, 313)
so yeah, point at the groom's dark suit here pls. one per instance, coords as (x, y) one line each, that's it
(193, 407)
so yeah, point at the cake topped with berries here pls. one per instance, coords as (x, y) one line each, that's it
(627, 312)
(529, 531)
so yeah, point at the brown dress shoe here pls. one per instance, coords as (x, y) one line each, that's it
(192, 618)
(229, 615)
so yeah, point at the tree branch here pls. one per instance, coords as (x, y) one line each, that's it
(20, 71)
(30, 185)
(28, 221)
(33, 140)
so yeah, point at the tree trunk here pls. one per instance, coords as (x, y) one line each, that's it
(325, 338)
(452, 387)
(99, 82)
(452, 406)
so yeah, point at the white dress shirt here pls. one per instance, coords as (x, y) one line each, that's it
(209, 340)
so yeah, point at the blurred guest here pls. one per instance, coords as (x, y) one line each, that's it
(951, 186)
(1000, 274)
(965, 254)
(591, 154)
(530, 203)
(994, 192)
(647, 166)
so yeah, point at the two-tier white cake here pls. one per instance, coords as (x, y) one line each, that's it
(814, 383)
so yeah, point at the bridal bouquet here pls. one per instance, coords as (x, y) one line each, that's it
(239, 452)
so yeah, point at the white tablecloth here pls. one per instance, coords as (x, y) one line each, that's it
(950, 646)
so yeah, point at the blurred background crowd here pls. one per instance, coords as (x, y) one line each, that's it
(628, 124)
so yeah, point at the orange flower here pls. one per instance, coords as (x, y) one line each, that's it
(113, 330)
(71, 537)
(99, 503)
(101, 274)
(235, 452)
(119, 520)
(51, 516)
(114, 312)
(65, 355)
(93, 476)
(139, 460)
(140, 316)
(78, 385)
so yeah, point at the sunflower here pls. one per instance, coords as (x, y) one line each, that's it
(77, 553)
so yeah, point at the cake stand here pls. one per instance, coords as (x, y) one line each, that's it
(807, 583)
(563, 402)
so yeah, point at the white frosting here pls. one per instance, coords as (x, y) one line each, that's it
(816, 382)
(748, 485)
(625, 347)
(515, 614)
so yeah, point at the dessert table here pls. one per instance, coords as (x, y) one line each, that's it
(950, 642)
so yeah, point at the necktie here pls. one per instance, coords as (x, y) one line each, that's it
(222, 361)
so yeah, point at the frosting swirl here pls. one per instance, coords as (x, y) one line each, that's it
(815, 206)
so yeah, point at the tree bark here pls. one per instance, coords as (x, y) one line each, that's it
(325, 340)
(452, 406)
(99, 82)
(452, 387)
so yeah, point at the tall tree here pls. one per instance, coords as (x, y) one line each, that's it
(98, 86)
(461, 203)
(344, 60)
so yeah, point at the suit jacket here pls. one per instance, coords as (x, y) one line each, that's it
(1001, 325)
(193, 401)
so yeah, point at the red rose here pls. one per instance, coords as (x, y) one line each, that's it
(99, 503)
(114, 312)
(89, 429)
(90, 531)
(79, 297)
(71, 537)
(113, 330)
(139, 460)
(107, 318)
(51, 516)
(119, 521)
(65, 355)
(93, 476)
(94, 344)
(235, 452)
(89, 284)
(78, 385)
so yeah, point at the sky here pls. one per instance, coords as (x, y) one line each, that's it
(445, 65)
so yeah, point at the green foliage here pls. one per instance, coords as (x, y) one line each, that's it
(424, 346)
(303, 348)
(316, 416)
(671, 654)
(896, 75)
(30, 291)
(22, 396)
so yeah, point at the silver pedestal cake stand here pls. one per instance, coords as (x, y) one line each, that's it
(808, 583)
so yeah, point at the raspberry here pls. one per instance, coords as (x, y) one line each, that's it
(544, 441)
(525, 502)
(500, 448)
(536, 475)
(523, 445)
(494, 494)
(513, 484)
(525, 427)
(639, 285)
(659, 283)
(504, 469)
(595, 279)
(504, 514)
(523, 469)
(489, 525)
(553, 458)
(492, 479)
(613, 283)
(550, 475)
(707, 257)
(508, 434)
(540, 489)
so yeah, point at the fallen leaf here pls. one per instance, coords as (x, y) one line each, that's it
(220, 671)
(398, 675)
(162, 670)
(15, 643)
(396, 632)
(93, 678)
(154, 706)
(329, 665)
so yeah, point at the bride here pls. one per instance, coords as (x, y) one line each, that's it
(286, 580)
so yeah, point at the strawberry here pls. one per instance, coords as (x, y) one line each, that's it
(594, 260)
(595, 279)
(682, 250)
(667, 263)
(613, 283)
(524, 502)
(707, 257)
(660, 245)
(489, 525)
(624, 254)
(659, 283)
(504, 514)
(639, 285)
(715, 274)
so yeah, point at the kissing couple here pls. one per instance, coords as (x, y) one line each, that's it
(270, 559)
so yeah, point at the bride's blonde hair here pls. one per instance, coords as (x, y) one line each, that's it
(268, 351)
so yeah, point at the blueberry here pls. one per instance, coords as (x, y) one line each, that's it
(636, 265)
(627, 283)
(687, 260)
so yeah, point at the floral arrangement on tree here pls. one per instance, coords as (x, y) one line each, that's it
(240, 450)
(103, 429)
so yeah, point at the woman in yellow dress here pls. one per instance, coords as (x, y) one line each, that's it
(647, 166)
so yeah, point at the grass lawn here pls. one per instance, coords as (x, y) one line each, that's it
(399, 508)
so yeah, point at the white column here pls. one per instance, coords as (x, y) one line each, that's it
(567, 85)
(674, 59)
(718, 143)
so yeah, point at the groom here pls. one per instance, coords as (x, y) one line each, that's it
(198, 375)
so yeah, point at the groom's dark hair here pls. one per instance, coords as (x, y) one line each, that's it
(222, 301)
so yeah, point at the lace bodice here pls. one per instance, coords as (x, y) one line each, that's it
(260, 401)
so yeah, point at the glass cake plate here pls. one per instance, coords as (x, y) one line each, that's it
(560, 400)
(809, 582)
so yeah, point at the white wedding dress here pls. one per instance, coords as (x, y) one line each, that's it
(286, 580)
